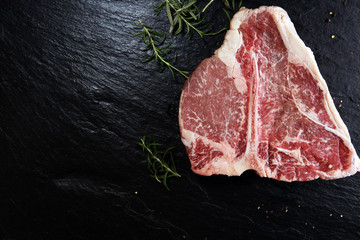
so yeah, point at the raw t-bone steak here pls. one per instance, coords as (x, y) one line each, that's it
(261, 103)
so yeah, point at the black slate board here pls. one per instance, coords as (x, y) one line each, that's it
(74, 95)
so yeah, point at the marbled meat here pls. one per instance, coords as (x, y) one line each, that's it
(261, 103)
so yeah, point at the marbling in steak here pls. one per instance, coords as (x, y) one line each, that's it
(261, 103)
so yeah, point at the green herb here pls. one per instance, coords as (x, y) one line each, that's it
(185, 15)
(160, 163)
(182, 14)
(232, 6)
(154, 41)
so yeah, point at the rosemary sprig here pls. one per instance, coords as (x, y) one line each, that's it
(184, 14)
(154, 41)
(159, 164)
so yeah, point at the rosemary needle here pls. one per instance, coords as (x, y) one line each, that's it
(154, 41)
(160, 167)
(232, 6)
(207, 5)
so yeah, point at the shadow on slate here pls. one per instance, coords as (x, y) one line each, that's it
(74, 95)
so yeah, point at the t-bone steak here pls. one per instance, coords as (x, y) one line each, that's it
(261, 103)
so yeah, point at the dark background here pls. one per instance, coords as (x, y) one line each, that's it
(74, 95)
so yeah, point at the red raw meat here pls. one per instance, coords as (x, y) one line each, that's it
(261, 103)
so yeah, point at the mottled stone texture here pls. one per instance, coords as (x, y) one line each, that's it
(74, 95)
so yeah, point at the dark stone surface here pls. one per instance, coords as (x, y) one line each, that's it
(74, 95)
